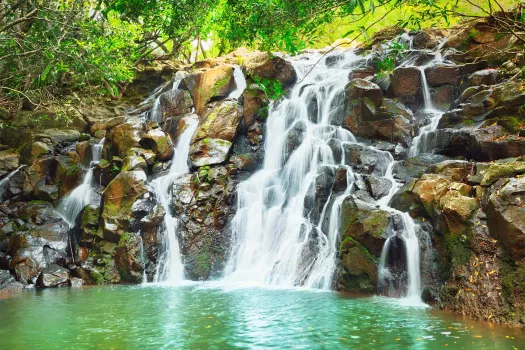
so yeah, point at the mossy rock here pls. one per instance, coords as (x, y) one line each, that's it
(365, 224)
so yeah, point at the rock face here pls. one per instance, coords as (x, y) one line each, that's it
(205, 85)
(214, 138)
(264, 65)
(118, 199)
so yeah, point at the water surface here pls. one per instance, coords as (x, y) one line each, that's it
(206, 317)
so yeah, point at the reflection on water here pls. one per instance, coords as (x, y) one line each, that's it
(204, 317)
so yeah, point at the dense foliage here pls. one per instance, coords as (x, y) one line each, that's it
(47, 46)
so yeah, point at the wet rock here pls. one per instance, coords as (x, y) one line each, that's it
(67, 173)
(209, 152)
(174, 103)
(46, 192)
(455, 170)
(341, 179)
(134, 163)
(210, 84)
(221, 122)
(33, 150)
(255, 105)
(377, 186)
(53, 276)
(507, 215)
(439, 74)
(407, 86)
(159, 142)
(122, 137)
(9, 161)
(128, 258)
(457, 209)
(88, 223)
(415, 166)
(428, 191)
(265, 65)
(365, 224)
(359, 89)
(484, 77)
(424, 40)
(118, 199)
(359, 272)
(365, 159)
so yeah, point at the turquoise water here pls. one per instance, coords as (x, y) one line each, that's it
(204, 317)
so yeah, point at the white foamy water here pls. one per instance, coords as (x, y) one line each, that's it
(72, 204)
(170, 268)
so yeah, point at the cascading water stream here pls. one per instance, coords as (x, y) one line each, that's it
(5, 181)
(71, 205)
(170, 268)
(279, 239)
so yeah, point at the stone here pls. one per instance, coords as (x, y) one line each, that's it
(122, 137)
(209, 152)
(174, 103)
(506, 215)
(134, 163)
(428, 191)
(128, 258)
(9, 161)
(221, 122)
(484, 77)
(255, 105)
(406, 85)
(89, 219)
(365, 224)
(46, 192)
(457, 210)
(207, 84)
(377, 186)
(118, 198)
(159, 142)
(266, 65)
(360, 268)
(439, 74)
(53, 276)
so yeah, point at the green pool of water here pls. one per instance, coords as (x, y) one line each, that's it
(203, 317)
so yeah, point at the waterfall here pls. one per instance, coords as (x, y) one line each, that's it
(5, 181)
(240, 83)
(72, 204)
(169, 265)
(278, 238)
(424, 142)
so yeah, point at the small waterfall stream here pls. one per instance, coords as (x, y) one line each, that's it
(279, 239)
(169, 266)
(4, 182)
(72, 204)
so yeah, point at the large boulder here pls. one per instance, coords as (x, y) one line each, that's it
(365, 224)
(128, 258)
(255, 105)
(440, 74)
(506, 215)
(205, 204)
(175, 102)
(9, 161)
(120, 138)
(213, 139)
(407, 86)
(206, 85)
(159, 142)
(267, 66)
(118, 199)
(53, 276)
